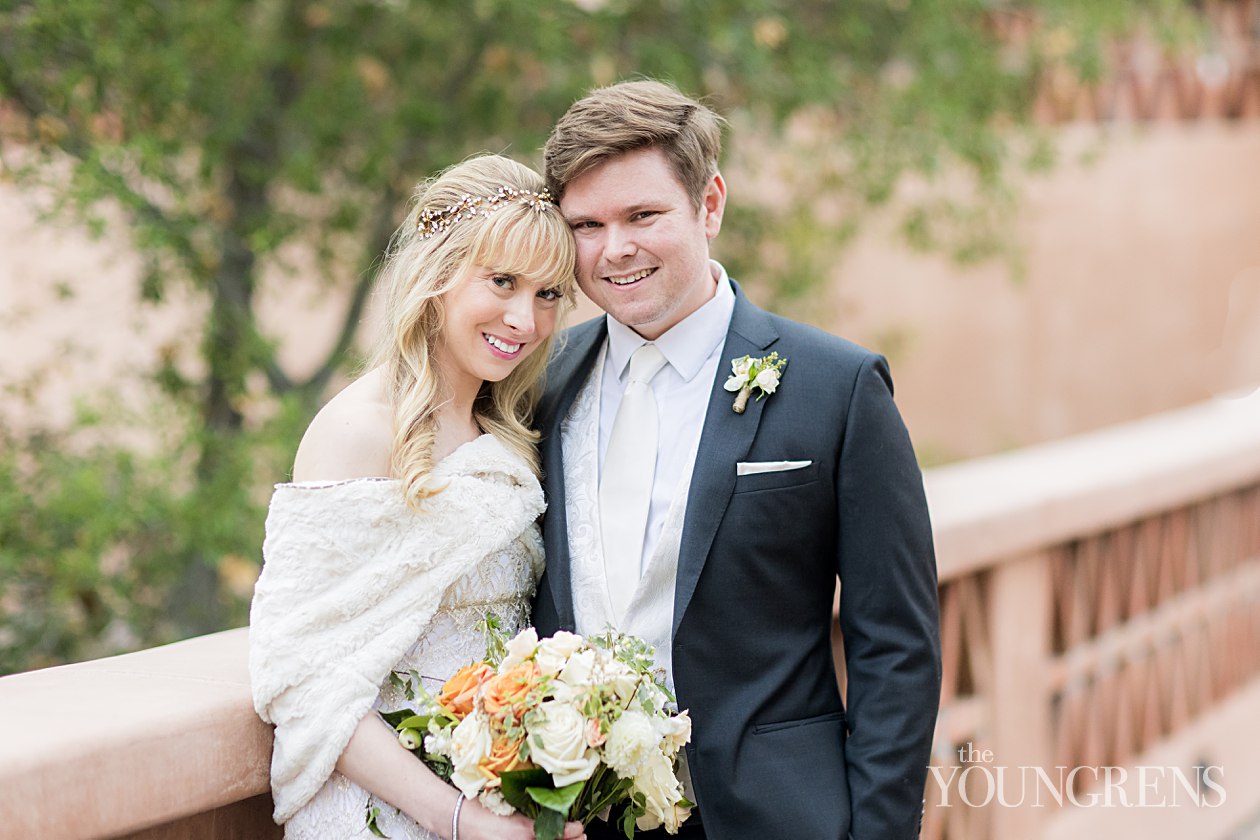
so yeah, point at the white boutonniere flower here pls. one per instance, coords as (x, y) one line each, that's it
(748, 373)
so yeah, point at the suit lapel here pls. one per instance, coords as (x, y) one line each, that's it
(565, 375)
(725, 440)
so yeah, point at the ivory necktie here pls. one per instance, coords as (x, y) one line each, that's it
(625, 488)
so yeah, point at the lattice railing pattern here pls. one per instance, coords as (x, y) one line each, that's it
(967, 679)
(1145, 628)
(1153, 624)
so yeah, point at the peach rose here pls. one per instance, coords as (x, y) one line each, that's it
(459, 691)
(504, 694)
(505, 756)
(595, 735)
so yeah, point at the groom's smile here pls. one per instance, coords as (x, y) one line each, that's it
(628, 279)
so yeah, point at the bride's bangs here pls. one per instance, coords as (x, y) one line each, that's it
(529, 244)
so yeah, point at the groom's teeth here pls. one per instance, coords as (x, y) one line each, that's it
(630, 278)
(501, 344)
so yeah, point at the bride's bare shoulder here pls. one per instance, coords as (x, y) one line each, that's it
(351, 436)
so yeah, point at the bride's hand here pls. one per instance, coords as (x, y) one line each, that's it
(477, 823)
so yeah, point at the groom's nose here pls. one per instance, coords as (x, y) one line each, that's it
(619, 243)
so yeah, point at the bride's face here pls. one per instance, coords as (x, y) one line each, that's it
(494, 321)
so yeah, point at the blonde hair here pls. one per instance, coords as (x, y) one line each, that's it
(629, 116)
(530, 241)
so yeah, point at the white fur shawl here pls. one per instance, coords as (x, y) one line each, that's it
(351, 579)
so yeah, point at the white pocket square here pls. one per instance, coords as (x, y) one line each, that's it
(754, 467)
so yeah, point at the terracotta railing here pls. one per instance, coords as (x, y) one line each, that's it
(1100, 608)
(163, 743)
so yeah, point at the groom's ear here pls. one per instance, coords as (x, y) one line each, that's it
(712, 204)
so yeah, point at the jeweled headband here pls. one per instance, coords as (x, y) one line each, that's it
(435, 221)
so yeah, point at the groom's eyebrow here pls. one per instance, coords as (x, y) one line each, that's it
(617, 212)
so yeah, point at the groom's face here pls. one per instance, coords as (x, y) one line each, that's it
(642, 246)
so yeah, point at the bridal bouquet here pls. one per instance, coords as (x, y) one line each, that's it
(562, 728)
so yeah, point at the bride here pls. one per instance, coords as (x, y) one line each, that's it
(412, 511)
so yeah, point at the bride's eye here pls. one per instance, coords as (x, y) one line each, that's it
(503, 281)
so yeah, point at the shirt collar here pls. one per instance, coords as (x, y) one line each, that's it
(689, 343)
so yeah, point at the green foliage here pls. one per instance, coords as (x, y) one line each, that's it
(231, 133)
(106, 549)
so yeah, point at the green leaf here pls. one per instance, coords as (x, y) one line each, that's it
(515, 785)
(395, 718)
(557, 799)
(628, 816)
(611, 796)
(548, 825)
(420, 722)
(372, 813)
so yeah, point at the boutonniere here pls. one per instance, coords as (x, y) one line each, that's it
(748, 373)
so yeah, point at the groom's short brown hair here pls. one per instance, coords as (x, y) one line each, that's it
(635, 115)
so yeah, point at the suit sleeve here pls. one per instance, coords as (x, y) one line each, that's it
(888, 613)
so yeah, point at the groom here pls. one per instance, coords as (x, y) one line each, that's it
(716, 534)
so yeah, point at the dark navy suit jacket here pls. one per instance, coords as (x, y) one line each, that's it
(775, 753)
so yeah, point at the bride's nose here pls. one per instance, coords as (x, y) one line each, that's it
(519, 314)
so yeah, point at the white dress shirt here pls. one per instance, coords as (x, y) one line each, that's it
(692, 350)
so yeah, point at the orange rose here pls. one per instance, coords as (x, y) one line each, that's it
(458, 692)
(506, 691)
(505, 756)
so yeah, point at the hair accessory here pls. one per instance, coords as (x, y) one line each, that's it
(435, 221)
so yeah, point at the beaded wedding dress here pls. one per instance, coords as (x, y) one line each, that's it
(357, 585)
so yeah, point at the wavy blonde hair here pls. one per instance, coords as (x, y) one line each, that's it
(513, 238)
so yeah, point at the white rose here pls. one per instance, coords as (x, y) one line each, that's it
(631, 741)
(734, 383)
(470, 743)
(675, 732)
(662, 792)
(577, 672)
(564, 693)
(553, 652)
(741, 366)
(557, 741)
(767, 380)
(520, 648)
